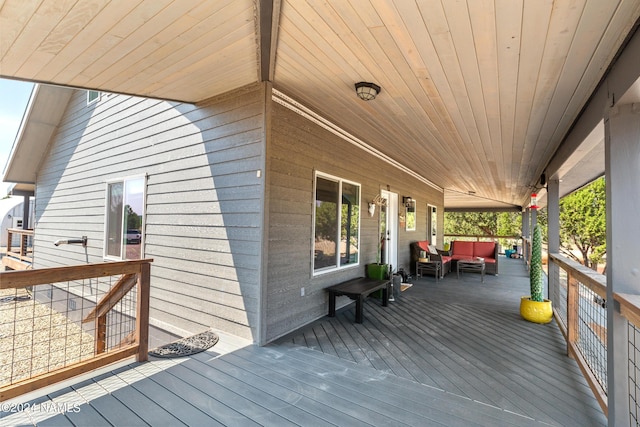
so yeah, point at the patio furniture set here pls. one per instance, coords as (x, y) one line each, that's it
(480, 257)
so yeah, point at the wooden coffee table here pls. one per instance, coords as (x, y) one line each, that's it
(472, 264)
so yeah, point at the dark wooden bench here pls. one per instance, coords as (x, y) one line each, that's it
(358, 289)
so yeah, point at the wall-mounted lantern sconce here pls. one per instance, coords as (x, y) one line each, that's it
(367, 91)
(407, 201)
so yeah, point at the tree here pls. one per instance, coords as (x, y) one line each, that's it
(509, 224)
(475, 223)
(133, 220)
(583, 224)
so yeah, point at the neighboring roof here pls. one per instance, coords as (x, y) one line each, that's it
(7, 204)
(42, 116)
(476, 96)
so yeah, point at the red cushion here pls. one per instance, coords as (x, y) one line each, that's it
(484, 249)
(446, 259)
(463, 248)
(424, 245)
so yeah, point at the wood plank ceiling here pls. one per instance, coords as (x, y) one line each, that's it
(476, 95)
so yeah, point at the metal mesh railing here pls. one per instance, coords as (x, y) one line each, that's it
(580, 306)
(63, 321)
(42, 328)
(634, 374)
(592, 332)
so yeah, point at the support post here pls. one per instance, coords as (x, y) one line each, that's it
(101, 334)
(622, 174)
(142, 311)
(553, 236)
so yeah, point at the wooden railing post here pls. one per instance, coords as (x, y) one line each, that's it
(101, 334)
(9, 238)
(142, 316)
(573, 305)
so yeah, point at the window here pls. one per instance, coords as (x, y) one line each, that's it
(92, 96)
(124, 219)
(336, 223)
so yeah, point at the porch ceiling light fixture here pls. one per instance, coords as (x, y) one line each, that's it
(367, 91)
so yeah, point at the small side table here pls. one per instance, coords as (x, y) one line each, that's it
(471, 265)
(428, 267)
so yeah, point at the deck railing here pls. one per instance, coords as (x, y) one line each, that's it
(56, 323)
(579, 296)
(19, 248)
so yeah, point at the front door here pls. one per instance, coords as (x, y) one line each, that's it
(389, 229)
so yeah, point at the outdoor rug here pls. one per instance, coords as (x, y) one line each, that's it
(186, 346)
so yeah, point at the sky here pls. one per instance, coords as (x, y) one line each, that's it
(14, 96)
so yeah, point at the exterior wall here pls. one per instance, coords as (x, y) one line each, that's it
(204, 200)
(297, 148)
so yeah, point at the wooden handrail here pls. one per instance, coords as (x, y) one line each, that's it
(22, 279)
(135, 272)
(629, 307)
(590, 278)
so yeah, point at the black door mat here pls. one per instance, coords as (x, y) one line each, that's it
(186, 346)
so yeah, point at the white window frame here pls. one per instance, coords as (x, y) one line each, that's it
(124, 228)
(96, 99)
(337, 267)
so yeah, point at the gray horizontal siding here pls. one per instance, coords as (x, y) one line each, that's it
(203, 216)
(297, 148)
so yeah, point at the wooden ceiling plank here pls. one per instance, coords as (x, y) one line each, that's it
(235, 43)
(137, 26)
(183, 80)
(451, 85)
(35, 32)
(177, 40)
(597, 18)
(438, 86)
(405, 87)
(459, 42)
(509, 28)
(534, 33)
(322, 44)
(483, 24)
(563, 36)
(78, 17)
(162, 62)
(109, 38)
(621, 22)
(64, 64)
(406, 27)
(457, 15)
(14, 16)
(167, 24)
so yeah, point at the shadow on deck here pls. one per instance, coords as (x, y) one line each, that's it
(466, 338)
(452, 353)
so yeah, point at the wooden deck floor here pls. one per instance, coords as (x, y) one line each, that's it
(453, 353)
(466, 338)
